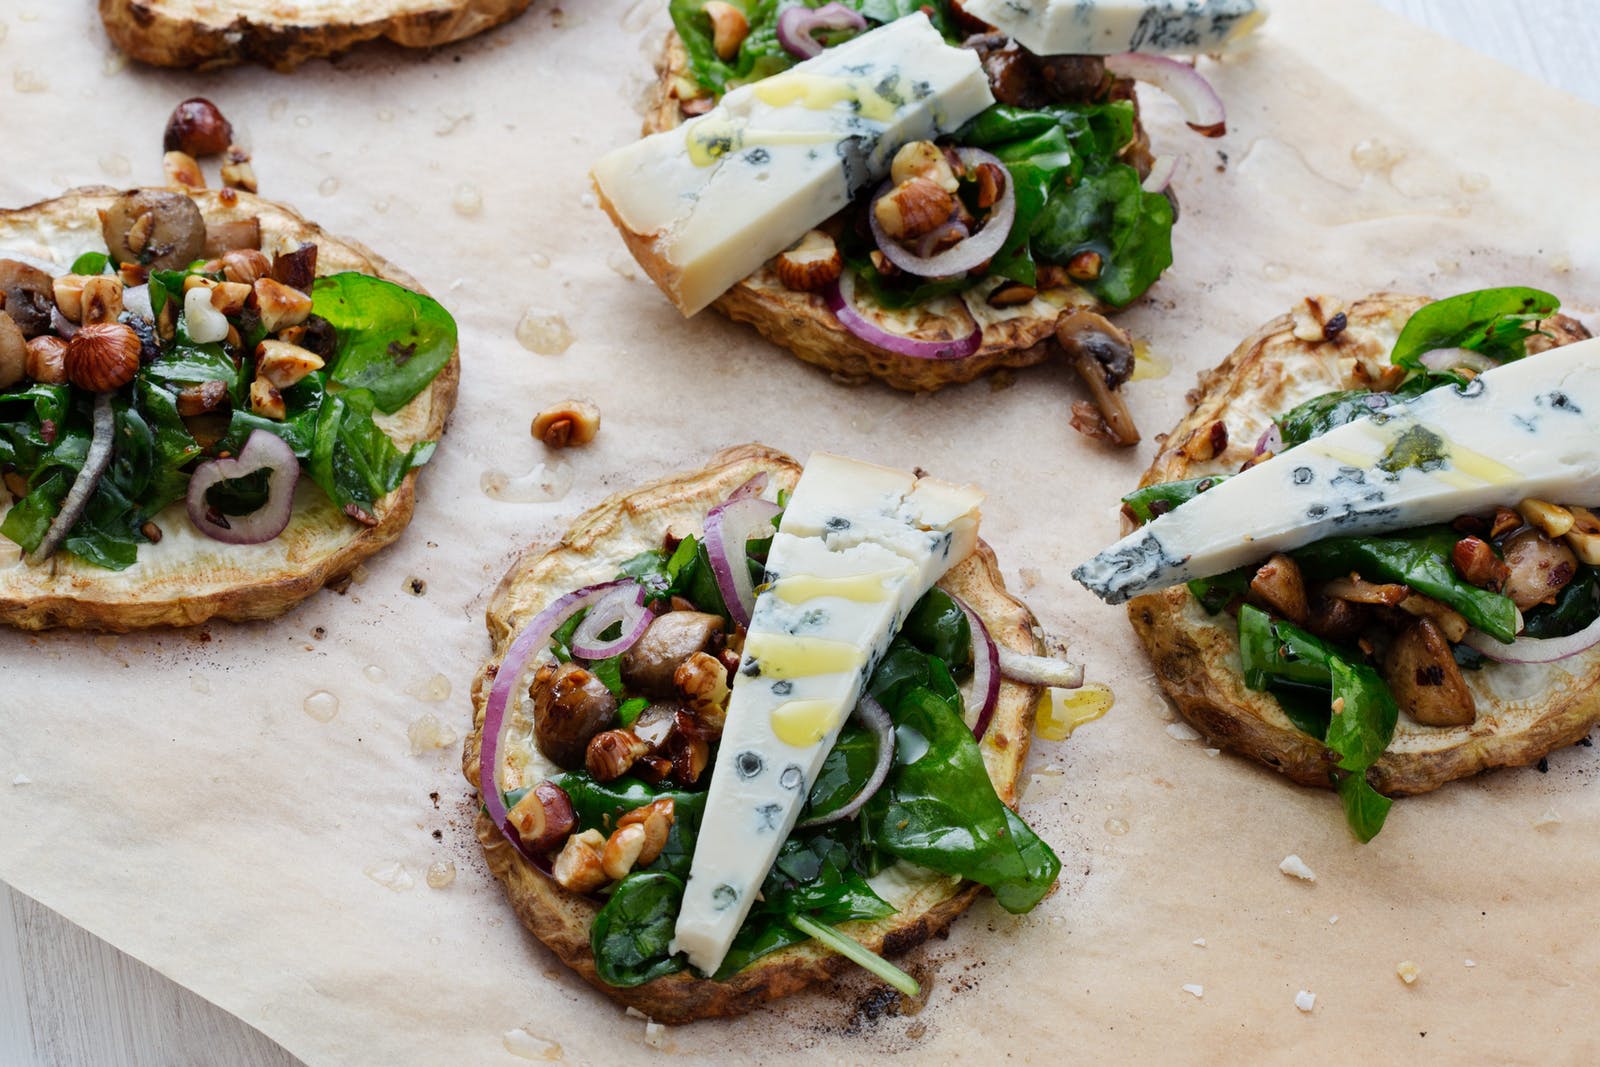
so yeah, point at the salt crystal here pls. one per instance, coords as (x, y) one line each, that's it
(1295, 867)
(1197, 991)
(1333, 920)
(1305, 1000)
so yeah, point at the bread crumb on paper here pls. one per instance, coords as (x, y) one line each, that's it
(1407, 971)
(1199, 942)
(1196, 991)
(1470, 963)
(1305, 1000)
(1295, 867)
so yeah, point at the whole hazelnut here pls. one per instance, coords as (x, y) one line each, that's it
(47, 355)
(198, 129)
(102, 356)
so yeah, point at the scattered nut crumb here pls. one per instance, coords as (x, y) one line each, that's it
(1213, 752)
(634, 1013)
(1295, 867)
(22, 779)
(1182, 731)
(1197, 991)
(1200, 941)
(1548, 820)
(1407, 971)
(1333, 920)
(1305, 1000)
(1470, 963)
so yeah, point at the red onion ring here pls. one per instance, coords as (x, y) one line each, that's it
(83, 486)
(868, 713)
(964, 255)
(840, 298)
(623, 604)
(262, 449)
(797, 24)
(1040, 670)
(508, 676)
(754, 487)
(728, 526)
(1534, 649)
(985, 669)
(1160, 176)
(1442, 360)
(1201, 105)
(1271, 439)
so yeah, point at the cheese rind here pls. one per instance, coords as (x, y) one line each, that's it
(705, 205)
(1525, 429)
(1106, 27)
(865, 543)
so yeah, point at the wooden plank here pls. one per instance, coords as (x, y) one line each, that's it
(16, 1031)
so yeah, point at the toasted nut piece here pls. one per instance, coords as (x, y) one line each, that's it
(1553, 519)
(195, 281)
(296, 268)
(102, 356)
(703, 682)
(1358, 590)
(1011, 294)
(914, 208)
(199, 399)
(203, 321)
(991, 184)
(133, 274)
(923, 159)
(1450, 622)
(689, 748)
(101, 300)
(246, 265)
(813, 263)
(139, 233)
(1207, 442)
(1583, 538)
(1085, 266)
(280, 306)
(229, 297)
(284, 364)
(569, 423)
(47, 359)
(729, 28)
(1051, 276)
(1539, 568)
(656, 819)
(68, 291)
(198, 128)
(577, 869)
(183, 172)
(13, 352)
(1279, 586)
(612, 752)
(15, 484)
(622, 851)
(543, 817)
(882, 264)
(1505, 521)
(239, 176)
(1425, 678)
(267, 401)
(1315, 315)
(1476, 561)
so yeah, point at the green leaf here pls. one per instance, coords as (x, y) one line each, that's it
(1364, 715)
(1220, 590)
(1109, 213)
(1575, 608)
(1365, 809)
(609, 671)
(1155, 500)
(29, 518)
(629, 710)
(353, 460)
(242, 495)
(632, 934)
(937, 626)
(91, 263)
(1496, 322)
(392, 342)
(844, 771)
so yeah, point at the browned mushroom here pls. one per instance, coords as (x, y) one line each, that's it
(1539, 568)
(26, 294)
(1279, 587)
(1425, 678)
(1450, 622)
(1358, 590)
(1336, 620)
(235, 235)
(570, 706)
(672, 638)
(13, 352)
(1102, 354)
(159, 228)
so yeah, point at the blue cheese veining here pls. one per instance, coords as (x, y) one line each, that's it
(1106, 27)
(1525, 429)
(858, 547)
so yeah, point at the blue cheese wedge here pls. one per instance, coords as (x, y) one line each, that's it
(705, 205)
(1525, 429)
(1106, 27)
(858, 546)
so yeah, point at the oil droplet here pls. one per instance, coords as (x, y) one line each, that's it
(328, 186)
(359, 575)
(429, 732)
(200, 683)
(538, 259)
(1448, 266)
(115, 64)
(546, 482)
(1061, 711)
(468, 200)
(1373, 155)
(544, 332)
(28, 80)
(1147, 365)
(302, 121)
(1116, 827)
(385, 114)
(391, 875)
(638, 15)
(321, 705)
(622, 264)
(435, 688)
(116, 165)
(1274, 272)
(441, 873)
(374, 673)
(528, 1046)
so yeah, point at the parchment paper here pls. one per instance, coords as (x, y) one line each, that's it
(171, 794)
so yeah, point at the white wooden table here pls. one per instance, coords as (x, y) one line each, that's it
(69, 998)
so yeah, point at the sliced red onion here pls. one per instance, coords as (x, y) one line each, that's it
(1534, 649)
(1442, 360)
(261, 449)
(728, 526)
(83, 486)
(754, 487)
(624, 604)
(797, 24)
(1160, 176)
(841, 296)
(508, 677)
(1040, 670)
(985, 671)
(1201, 105)
(964, 255)
(1271, 439)
(868, 713)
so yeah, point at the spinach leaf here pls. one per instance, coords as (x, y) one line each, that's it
(1496, 322)
(1575, 608)
(1365, 809)
(392, 342)
(174, 444)
(1154, 500)
(242, 495)
(1364, 714)
(844, 771)
(353, 460)
(1109, 213)
(186, 362)
(1220, 590)
(628, 711)
(1419, 558)
(91, 263)
(29, 518)
(940, 628)
(597, 806)
(632, 933)
(1317, 416)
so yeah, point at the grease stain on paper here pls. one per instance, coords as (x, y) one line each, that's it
(1283, 168)
(544, 333)
(391, 875)
(1148, 365)
(547, 482)
(529, 1046)
(1061, 711)
(321, 705)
